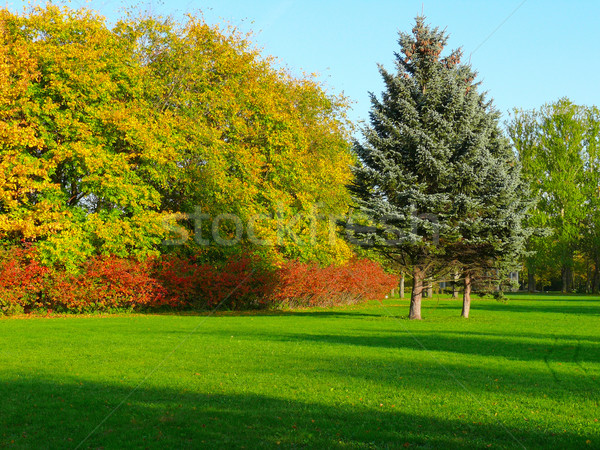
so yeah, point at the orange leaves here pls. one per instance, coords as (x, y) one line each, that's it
(311, 285)
(105, 282)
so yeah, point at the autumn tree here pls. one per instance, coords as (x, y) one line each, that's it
(110, 135)
(436, 176)
(254, 141)
(86, 175)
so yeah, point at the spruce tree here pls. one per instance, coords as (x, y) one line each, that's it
(436, 177)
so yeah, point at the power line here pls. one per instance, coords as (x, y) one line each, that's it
(497, 28)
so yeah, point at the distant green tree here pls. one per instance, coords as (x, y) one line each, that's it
(436, 177)
(558, 149)
(591, 230)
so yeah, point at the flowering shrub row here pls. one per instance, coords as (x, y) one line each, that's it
(110, 283)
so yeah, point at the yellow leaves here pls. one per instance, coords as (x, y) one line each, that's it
(109, 126)
(74, 134)
(40, 219)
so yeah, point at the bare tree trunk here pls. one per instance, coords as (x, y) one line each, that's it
(567, 279)
(467, 296)
(416, 294)
(401, 287)
(455, 285)
(530, 281)
(430, 289)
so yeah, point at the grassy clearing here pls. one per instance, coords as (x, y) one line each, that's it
(521, 374)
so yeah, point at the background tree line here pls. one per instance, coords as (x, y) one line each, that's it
(558, 146)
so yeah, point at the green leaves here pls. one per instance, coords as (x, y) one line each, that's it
(557, 146)
(106, 132)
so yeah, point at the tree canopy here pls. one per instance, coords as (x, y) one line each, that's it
(109, 135)
(558, 148)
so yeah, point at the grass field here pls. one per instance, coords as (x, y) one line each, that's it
(521, 374)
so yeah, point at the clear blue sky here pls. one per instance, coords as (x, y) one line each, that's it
(543, 51)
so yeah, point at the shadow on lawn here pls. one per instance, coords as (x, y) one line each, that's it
(272, 313)
(558, 348)
(38, 413)
(575, 308)
(499, 346)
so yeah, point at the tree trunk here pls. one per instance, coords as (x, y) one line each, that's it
(570, 283)
(589, 280)
(430, 290)
(596, 279)
(416, 294)
(467, 297)
(401, 287)
(530, 281)
(455, 285)
(567, 279)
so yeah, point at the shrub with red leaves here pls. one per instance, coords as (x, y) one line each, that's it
(107, 283)
(22, 280)
(110, 283)
(239, 283)
(310, 285)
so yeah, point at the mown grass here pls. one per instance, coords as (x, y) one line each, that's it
(521, 374)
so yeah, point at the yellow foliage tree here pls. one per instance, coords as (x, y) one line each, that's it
(106, 133)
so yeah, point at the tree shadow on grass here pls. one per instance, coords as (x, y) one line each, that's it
(275, 313)
(576, 308)
(493, 345)
(40, 413)
(531, 335)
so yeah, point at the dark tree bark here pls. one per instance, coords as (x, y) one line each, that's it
(416, 294)
(596, 278)
(467, 297)
(401, 286)
(570, 280)
(589, 280)
(530, 281)
(567, 279)
(455, 285)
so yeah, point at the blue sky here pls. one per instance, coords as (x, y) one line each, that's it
(526, 53)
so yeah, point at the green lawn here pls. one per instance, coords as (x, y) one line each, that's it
(521, 374)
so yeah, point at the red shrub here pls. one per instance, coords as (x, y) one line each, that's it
(310, 285)
(22, 280)
(240, 283)
(109, 283)
(180, 279)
